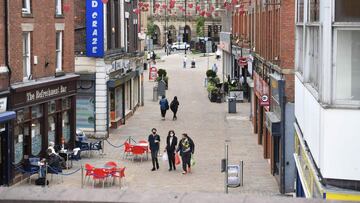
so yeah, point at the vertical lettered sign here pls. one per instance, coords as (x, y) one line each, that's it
(94, 28)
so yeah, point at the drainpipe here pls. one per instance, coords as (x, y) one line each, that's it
(7, 41)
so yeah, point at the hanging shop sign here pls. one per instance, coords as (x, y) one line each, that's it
(225, 41)
(94, 28)
(153, 73)
(261, 90)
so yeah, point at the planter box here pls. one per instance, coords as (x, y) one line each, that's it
(214, 97)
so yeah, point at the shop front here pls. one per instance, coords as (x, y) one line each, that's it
(261, 104)
(45, 112)
(85, 103)
(5, 134)
(241, 72)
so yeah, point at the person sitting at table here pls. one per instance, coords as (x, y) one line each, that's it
(154, 143)
(55, 162)
(52, 147)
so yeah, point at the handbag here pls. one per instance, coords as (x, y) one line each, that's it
(165, 157)
(177, 159)
(192, 161)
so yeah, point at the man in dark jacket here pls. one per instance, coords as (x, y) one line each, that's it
(174, 105)
(171, 142)
(186, 148)
(164, 106)
(154, 144)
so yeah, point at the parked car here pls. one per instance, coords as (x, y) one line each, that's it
(180, 46)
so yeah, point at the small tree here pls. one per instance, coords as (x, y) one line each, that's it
(151, 28)
(200, 22)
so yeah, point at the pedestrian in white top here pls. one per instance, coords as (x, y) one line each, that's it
(184, 61)
(215, 68)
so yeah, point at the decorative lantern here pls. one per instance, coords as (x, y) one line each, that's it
(104, 1)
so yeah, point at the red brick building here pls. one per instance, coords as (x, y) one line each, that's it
(40, 55)
(264, 33)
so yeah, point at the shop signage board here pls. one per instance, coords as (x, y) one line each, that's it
(94, 28)
(153, 73)
(3, 102)
(208, 46)
(261, 90)
(45, 92)
(225, 41)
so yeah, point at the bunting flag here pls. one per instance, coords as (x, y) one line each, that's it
(136, 10)
(163, 6)
(140, 4)
(157, 5)
(212, 8)
(104, 1)
(66, 7)
(190, 5)
(198, 8)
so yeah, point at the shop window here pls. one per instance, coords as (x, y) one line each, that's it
(51, 129)
(300, 11)
(312, 55)
(59, 51)
(347, 11)
(58, 7)
(347, 66)
(299, 49)
(314, 10)
(18, 145)
(36, 138)
(66, 103)
(26, 6)
(118, 103)
(36, 111)
(85, 107)
(52, 106)
(26, 55)
(66, 126)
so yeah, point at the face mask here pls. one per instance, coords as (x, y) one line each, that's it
(154, 132)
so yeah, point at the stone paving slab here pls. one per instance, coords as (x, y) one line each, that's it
(207, 123)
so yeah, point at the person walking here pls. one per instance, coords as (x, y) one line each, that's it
(171, 142)
(215, 68)
(184, 61)
(154, 143)
(174, 107)
(186, 148)
(164, 106)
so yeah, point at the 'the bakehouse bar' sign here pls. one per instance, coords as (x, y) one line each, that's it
(45, 92)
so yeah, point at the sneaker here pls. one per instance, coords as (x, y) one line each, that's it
(153, 169)
(184, 172)
(170, 169)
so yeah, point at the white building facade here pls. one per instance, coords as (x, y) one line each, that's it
(327, 99)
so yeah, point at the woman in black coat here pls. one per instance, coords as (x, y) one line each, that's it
(174, 107)
(186, 149)
(171, 142)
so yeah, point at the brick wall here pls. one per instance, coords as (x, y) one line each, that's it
(274, 35)
(43, 38)
(80, 25)
(2, 33)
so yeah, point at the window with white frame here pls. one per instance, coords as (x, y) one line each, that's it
(59, 51)
(300, 11)
(299, 49)
(347, 65)
(26, 6)
(58, 7)
(26, 55)
(312, 55)
(314, 11)
(346, 58)
(347, 11)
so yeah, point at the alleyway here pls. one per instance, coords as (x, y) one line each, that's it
(207, 123)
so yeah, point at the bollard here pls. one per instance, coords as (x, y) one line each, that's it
(242, 172)
(82, 176)
(226, 167)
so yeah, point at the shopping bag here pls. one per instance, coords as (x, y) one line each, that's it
(165, 157)
(177, 159)
(192, 161)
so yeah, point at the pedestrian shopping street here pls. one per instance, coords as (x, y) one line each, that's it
(208, 124)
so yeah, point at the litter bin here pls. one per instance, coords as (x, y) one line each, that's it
(155, 93)
(232, 104)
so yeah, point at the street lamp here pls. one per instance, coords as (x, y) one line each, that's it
(185, 36)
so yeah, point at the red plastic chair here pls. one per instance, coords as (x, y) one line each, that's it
(118, 173)
(146, 148)
(100, 174)
(111, 164)
(138, 151)
(89, 169)
(127, 149)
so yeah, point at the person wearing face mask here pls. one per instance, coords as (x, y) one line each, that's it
(171, 142)
(154, 143)
(186, 148)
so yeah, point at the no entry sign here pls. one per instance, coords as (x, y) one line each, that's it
(152, 73)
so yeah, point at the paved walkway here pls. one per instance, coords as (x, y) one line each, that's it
(207, 123)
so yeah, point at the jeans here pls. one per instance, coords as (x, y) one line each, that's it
(186, 157)
(154, 159)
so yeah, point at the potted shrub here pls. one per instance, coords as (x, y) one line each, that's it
(162, 75)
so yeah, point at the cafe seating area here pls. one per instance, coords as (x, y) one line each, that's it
(106, 175)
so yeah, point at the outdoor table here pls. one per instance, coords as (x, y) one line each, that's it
(145, 145)
(66, 154)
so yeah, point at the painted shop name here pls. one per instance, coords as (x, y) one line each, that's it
(44, 93)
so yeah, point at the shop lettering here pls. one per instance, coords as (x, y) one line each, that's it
(44, 93)
(94, 28)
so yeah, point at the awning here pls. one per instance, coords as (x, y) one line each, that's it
(115, 82)
(6, 116)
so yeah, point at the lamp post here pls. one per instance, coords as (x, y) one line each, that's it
(166, 31)
(185, 26)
